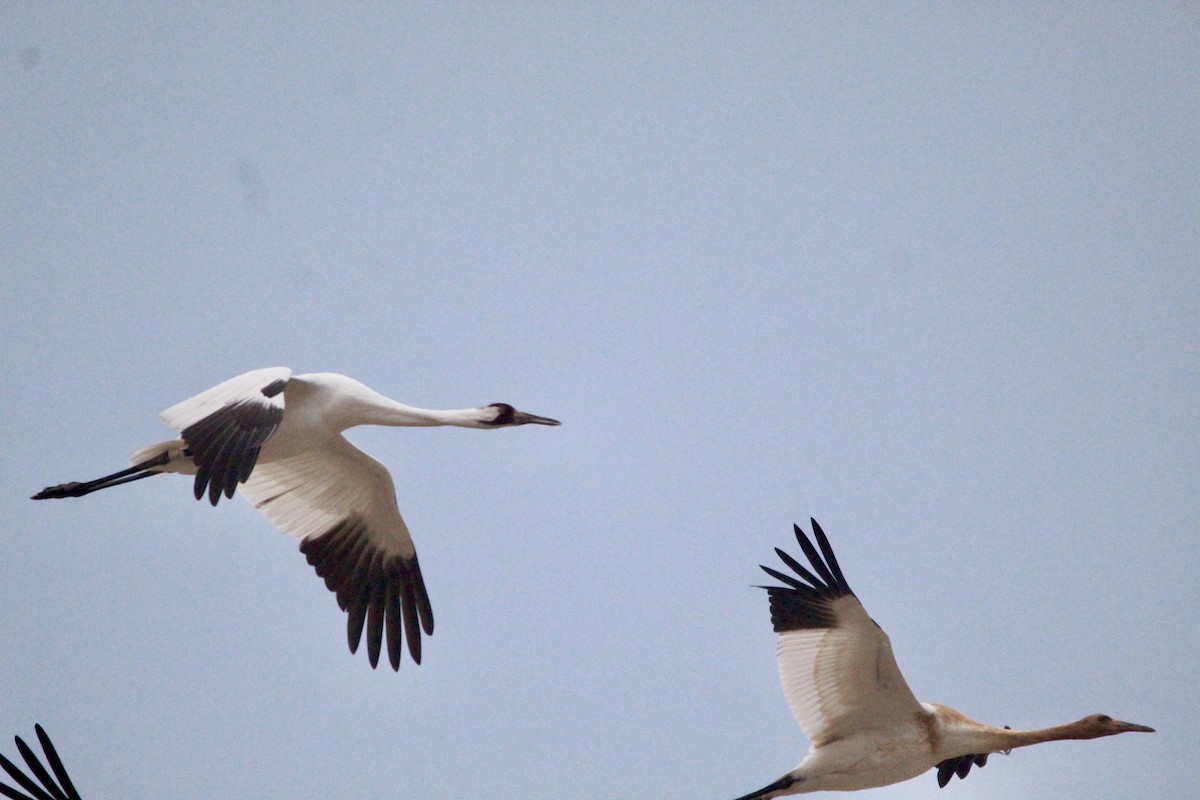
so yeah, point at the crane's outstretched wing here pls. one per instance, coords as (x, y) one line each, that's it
(50, 789)
(226, 426)
(835, 662)
(341, 505)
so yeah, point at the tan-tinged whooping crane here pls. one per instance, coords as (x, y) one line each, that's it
(58, 787)
(865, 727)
(278, 437)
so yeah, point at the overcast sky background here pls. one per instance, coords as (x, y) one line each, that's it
(927, 273)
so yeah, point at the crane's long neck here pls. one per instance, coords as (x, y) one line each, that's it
(380, 410)
(980, 738)
(1072, 730)
(328, 401)
(961, 735)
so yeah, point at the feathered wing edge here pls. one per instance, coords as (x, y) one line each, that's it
(384, 594)
(805, 604)
(62, 789)
(226, 443)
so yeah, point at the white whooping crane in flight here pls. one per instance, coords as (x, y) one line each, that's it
(278, 437)
(58, 787)
(865, 727)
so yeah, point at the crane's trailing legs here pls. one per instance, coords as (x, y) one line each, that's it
(781, 786)
(138, 471)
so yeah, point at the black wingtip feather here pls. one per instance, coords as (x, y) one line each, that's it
(50, 789)
(779, 576)
(201, 483)
(383, 598)
(799, 569)
(22, 780)
(408, 607)
(814, 558)
(806, 602)
(64, 780)
(830, 558)
(424, 609)
(374, 630)
(39, 772)
(225, 444)
(394, 630)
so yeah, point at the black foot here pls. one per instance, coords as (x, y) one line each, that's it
(61, 490)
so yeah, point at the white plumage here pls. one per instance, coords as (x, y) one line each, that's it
(278, 437)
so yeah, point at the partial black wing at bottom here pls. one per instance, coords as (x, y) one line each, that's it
(50, 788)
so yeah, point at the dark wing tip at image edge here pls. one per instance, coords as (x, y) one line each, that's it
(63, 789)
(825, 577)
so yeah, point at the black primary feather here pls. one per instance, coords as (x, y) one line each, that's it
(50, 789)
(381, 595)
(807, 603)
(226, 443)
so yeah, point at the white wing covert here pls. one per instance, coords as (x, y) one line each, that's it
(835, 663)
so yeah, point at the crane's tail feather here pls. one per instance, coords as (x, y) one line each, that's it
(143, 469)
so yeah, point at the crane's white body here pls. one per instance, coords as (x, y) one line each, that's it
(865, 727)
(277, 437)
(308, 477)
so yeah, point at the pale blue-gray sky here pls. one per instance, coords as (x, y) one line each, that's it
(927, 273)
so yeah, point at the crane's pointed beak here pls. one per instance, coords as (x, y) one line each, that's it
(1130, 727)
(521, 418)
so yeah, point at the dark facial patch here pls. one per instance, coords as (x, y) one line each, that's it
(505, 417)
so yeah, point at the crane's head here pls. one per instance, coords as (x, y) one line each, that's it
(507, 416)
(1098, 725)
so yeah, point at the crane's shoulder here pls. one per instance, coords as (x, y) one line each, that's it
(259, 387)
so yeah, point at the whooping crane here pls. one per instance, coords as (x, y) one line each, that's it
(865, 727)
(62, 789)
(278, 437)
